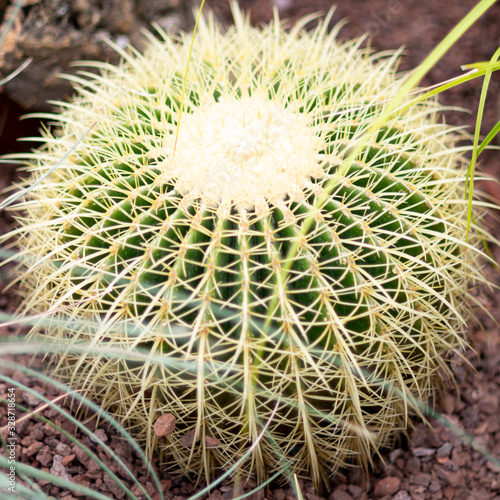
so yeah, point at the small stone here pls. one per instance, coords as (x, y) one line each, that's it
(340, 495)
(82, 455)
(58, 468)
(279, 494)
(33, 448)
(435, 486)
(395, 454)
(44, 456)
(354, 490)
(449, 492)
(26, 442)
(211, 442)
(415, 490)
(68, 459)
(20, 377)
(165, 424)
(449, 404)
(36, 433)
(49, 430)
(113, 486)
(62, 449)
(423, 452)
(188, 438)
(82, 481)
(444, 450)
(401, 495)
(413, 466)
(489, 404)
(387, 486)
(30, 399)
(100, 434)
(453, 478)
(492, 467)
(421, 479)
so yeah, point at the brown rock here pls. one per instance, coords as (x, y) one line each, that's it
(99, 434)
(30, 399)
(387, 486)
(58, 468)
(82, 481)
(444, 450)
(435, 486)
(421, 479)
(401, 495)
(188, 438)
(26, 441)
(423, 452)
(68, 459)
(449, 492)
(164, 425)
(413, 466)
(62, 449)
(37, 433)
(211, 442)
(113, 486)
(118, 17)
(44, 456)
(453, 478)
(49, 430)
(33, 448)
(489, 404)
(339, 494)
(82, 456)
(355, 490)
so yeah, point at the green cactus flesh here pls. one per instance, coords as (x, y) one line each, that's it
(291, 292)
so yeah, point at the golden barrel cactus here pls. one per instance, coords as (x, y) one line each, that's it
(302, 295)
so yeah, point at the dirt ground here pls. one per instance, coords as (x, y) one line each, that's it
(432, 462)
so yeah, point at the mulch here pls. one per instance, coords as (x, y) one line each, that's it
(431, 461)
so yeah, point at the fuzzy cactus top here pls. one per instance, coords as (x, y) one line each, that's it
(189, 239)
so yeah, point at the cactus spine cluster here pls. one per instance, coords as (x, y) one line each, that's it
(188, 239)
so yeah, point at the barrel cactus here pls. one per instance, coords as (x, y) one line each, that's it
(305, 302)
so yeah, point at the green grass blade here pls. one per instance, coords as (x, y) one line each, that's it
(469, 183)
(95, 408)
(492, 134)
(86, 431)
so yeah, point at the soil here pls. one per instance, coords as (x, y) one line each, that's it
(431, 462)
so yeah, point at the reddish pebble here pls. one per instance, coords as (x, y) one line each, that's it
(387, 486)
(164, 425)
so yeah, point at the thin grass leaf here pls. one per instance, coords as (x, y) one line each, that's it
(82, 428)
(469, 185)
(102, 414)
(184, 82)
(21, 68)
(491, 135)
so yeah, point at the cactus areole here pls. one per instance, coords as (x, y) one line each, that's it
(298, 282)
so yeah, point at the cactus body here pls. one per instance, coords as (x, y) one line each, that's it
(309, 296)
